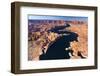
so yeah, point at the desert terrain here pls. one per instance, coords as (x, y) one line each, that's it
(41, 36)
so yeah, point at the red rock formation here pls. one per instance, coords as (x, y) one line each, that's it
(82, 45)
(39, 38)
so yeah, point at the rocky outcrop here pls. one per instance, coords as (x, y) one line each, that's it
(41, 34)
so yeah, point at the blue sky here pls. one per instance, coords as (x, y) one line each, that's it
(67, 18)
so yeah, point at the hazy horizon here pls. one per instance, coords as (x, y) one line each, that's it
(67, 18)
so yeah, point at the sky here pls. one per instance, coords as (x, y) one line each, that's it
(67, 18)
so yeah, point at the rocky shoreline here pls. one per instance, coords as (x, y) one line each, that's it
(40, 40)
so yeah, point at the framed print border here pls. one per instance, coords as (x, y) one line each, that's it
(15, 36)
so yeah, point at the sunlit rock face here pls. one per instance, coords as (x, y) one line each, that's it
(44, 33)
(82, 44)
